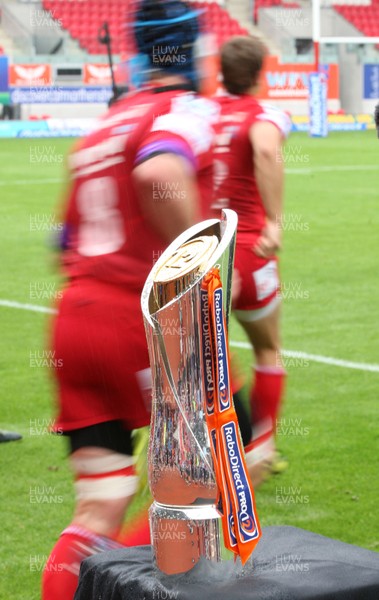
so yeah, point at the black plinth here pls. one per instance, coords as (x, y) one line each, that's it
(288, 564)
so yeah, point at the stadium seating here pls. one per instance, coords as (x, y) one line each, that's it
(84, 18)
(272, 4)
(363, 17)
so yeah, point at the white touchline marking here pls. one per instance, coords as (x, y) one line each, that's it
(30, 307)
(337, 362)
(30, 181)
(331, 169)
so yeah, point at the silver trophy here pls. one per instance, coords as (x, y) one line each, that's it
(184, 522)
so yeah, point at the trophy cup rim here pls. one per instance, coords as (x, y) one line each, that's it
(228, 224)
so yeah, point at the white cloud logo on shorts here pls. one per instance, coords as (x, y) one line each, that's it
(266, 280)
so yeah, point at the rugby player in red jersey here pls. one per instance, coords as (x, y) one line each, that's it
(138, 180)
(249, 179)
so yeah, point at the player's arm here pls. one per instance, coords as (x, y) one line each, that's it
(167, 162)
(266, 140)
(167, 190)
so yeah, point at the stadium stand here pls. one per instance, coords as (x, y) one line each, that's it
(272, 4)
(365, 17)
(83, 20)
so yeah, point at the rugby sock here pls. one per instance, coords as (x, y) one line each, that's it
(61, 572)
(243, 418)
(98, 478)
(265, 402)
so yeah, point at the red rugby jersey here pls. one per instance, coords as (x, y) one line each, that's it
(235, 184)
(106, 235)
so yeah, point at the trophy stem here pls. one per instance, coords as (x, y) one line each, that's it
(170, 379)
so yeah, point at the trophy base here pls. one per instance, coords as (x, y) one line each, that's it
(182, 536)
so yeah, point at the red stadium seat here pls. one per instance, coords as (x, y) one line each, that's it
(364, 18)
(83, 18)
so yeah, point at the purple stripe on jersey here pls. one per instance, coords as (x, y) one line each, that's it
(163, 146)
(63, 242)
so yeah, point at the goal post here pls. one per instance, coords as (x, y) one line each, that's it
(319, 39)
(317, 94)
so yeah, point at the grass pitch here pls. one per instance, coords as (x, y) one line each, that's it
(328, 430)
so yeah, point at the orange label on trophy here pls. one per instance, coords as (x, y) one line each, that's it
(236, 496)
